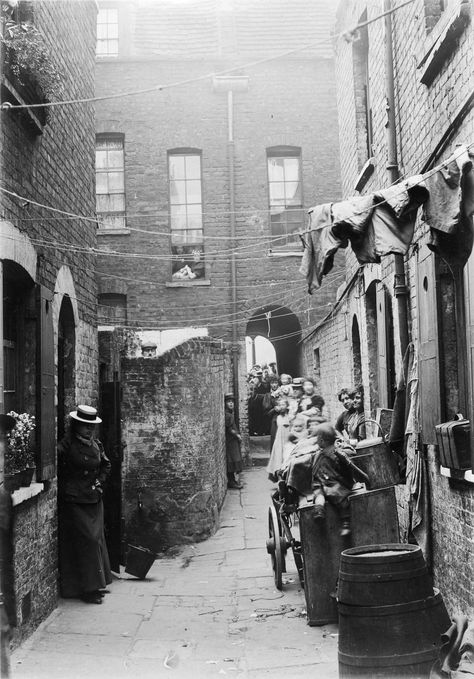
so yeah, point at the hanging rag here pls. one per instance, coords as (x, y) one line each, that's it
(416, 469)
(401, 409)
(320, 246)
(393, 220)
(450, 208)
(419, 504)
(456, 654)
(378, 224)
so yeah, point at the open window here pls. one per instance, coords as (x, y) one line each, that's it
(186, 217)
(285, 194)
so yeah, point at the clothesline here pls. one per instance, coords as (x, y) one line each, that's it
(383, 222)
(414, 180)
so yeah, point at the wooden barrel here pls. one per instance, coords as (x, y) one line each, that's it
(374, 517)
(376, 459)
(390, 618)
(321, 547)
(380, 575)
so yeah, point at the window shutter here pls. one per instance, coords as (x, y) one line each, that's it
(45, 410)
(469, 296)
(429, 374)
(382, 362)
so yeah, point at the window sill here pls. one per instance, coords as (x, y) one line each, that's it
(34, 119)
(459, 474)
(113, 232)
(442, 41)
(26, 493)
(201, 282)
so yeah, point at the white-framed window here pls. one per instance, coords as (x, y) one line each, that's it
(107, 32)
(110, 181)
(186, 221)
(285, 194)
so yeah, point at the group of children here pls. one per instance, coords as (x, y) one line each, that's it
(309, 458)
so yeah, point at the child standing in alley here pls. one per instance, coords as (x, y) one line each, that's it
(233, 440)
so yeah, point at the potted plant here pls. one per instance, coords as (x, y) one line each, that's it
(28, 62)
(20, 457)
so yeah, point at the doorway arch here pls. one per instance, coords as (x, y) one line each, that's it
(356, 353)
(66, 363)
(282, 328)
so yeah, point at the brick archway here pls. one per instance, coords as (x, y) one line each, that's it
(281, 326)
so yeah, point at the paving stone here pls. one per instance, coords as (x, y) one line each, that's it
(213, 610)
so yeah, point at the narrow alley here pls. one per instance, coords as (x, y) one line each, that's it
(236, 244)
(212, 610)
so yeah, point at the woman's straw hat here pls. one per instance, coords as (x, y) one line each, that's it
(85, 414)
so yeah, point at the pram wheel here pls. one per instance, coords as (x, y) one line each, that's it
(276, 547)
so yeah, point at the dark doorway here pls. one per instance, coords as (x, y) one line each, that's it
(282, 327)
(356, 355)
(380, 346)
(66, 364)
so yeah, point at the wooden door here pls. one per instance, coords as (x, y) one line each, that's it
(428, 343)
(111, 437)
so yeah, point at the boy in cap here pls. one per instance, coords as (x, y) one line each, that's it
(333, 477)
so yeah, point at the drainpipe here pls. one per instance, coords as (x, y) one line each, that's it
(400, 287)
(233, 263)
(229, 85)
(2, 370)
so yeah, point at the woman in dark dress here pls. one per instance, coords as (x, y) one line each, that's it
(84, 567)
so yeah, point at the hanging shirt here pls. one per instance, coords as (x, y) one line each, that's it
(320, 246)
(378, 224)
(450, 207)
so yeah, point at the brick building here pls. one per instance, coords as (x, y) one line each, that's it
(386, 134)
(201, 184)
(49, 307)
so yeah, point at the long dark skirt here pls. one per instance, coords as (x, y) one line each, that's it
(83, 558)
(233, 455)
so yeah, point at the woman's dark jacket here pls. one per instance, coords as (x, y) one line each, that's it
(82, 469)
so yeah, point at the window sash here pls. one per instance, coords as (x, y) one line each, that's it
(185, 195)
(190, 256)
(107, 33)
(284, 181)
(110, 183)
(287, 222)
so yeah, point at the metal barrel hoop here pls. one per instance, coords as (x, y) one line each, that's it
(382, 435)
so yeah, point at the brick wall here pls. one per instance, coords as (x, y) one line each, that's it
(35, 560)
(279, 108)
(55, 168)
(174, 469)
(423, 116)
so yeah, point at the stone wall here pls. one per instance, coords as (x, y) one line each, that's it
(174, 468)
